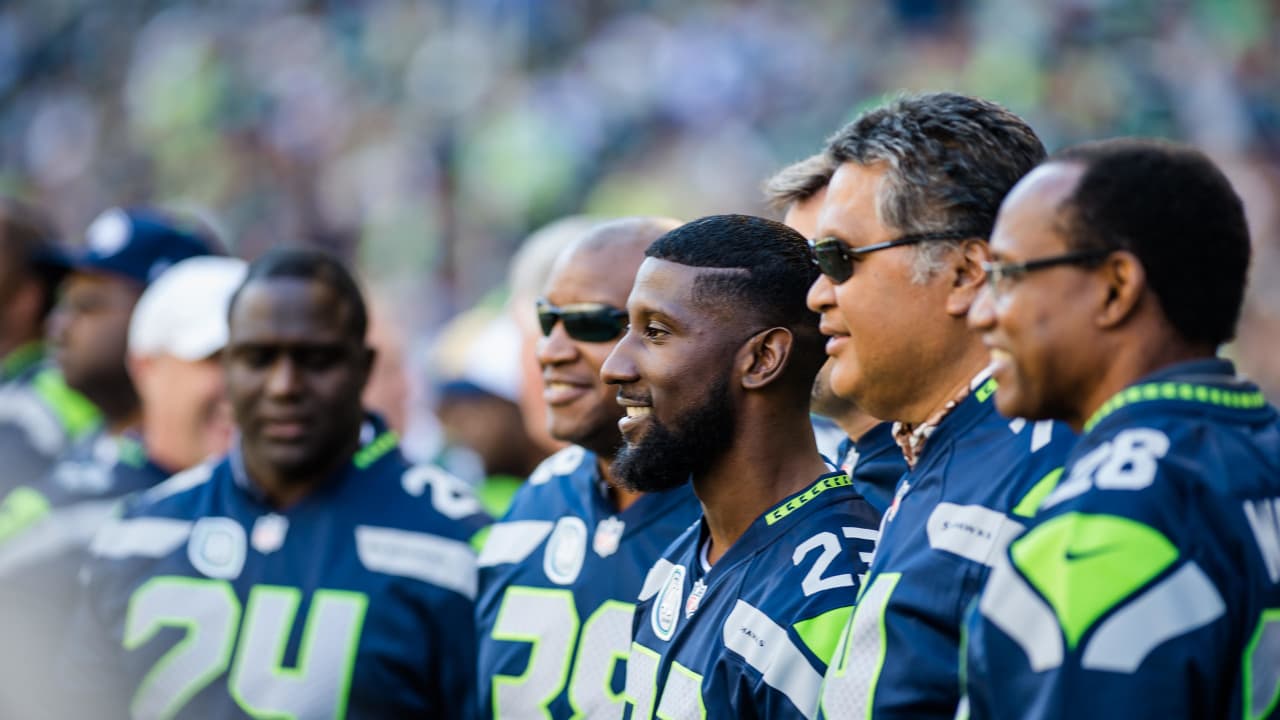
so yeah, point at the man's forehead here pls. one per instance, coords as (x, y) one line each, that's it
(852, 203)
(1035, 204)
(289, 304)
(675, 289)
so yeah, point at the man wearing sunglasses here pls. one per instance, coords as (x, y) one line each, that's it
(1148, 585)
(864, 447)
(901, 241)
(559, 575)
(739, 617)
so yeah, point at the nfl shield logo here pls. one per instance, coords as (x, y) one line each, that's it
(695, 598)
(268, 533)
(608, 535)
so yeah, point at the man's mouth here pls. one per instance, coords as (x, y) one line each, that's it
(638, 411)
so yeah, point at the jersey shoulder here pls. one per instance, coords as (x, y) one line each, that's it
(554, 485)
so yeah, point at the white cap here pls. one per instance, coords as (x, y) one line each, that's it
(184, 312)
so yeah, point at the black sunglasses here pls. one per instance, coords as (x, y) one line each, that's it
(835, 259)
(588, 322)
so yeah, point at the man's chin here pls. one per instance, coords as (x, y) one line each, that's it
(644, 469)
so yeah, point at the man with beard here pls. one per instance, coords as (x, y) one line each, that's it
(310, 573)
(39, 415)
(559, 575)
(902, 237)
(864, 446)
(1148, 586)
(739, 617)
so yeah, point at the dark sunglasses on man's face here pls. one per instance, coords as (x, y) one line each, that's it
(588, 322)
(836, 259)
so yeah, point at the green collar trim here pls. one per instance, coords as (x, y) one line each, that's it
(23, 358)
(1187, 392)
(799, 500)
(373, 452)
(76, 413)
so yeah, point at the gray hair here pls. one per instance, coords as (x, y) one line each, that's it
(951, 160)
(799, 181)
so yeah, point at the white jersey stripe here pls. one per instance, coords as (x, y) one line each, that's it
(446, 563)
(766, 646)
(512, 542)
(1181, 603)
(141, 537)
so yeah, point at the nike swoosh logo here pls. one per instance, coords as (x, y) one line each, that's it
(1073, 555)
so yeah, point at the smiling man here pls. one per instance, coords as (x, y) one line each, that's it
(864, 446)
(560, 573)
(1148, 586)
(902, 237)
(739, 617)
(313, 572)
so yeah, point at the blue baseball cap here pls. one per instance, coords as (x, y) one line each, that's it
(139, 244)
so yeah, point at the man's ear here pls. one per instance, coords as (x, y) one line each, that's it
(763, 358)
(967, 277)
(1125, 282)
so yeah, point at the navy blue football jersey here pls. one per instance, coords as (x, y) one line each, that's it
(874, 464)
(970, 493)
(40, 420)
(203, 601)
(1149, 585)
(750, 636)
(558, 581)
(45, 531)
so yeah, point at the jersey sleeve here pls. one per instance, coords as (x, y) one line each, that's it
(1109, 606)
(786, 642)
(89, 667)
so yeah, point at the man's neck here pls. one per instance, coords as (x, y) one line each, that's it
(755, 474)
(1126, 364)
(284, 490)
(942, 388)
(855, 423)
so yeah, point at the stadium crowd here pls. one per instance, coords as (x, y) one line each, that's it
(956, 432)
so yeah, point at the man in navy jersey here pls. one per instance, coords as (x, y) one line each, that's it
(312, 573)
(559, 575)
(177, 330)
(1148, 586)
(864, 446)
(739, 617)
(901, 240)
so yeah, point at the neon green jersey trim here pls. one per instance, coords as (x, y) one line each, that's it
(496, 493)
(20, 359)
(986, 390)
(1085, 565)
(821, 634)
(795, 502)
(373, 452)
(1187, 392)
(1030, 502)
(76, 414)
(22, 508)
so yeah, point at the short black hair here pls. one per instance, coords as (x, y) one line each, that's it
(1172, 207)
(28, 237)
(313, 265)
(776, 267)
(952, 159)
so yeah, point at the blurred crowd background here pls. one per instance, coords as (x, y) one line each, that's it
(424, 140)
